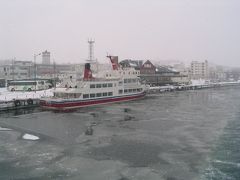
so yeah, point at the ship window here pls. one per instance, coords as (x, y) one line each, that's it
(134, 80)
(104, 85)
(120, 91)
(92, 85)
(110, 93)
(98, 86)
(134, 90)
(99, 94)
(71, 95)
(110, 85)
(85, 96)
(105, 94)
(129, 80)
(92, 95)
(125, 80)
(125, 90)
(130, 90)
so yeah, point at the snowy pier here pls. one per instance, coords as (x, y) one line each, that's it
(18, 100)
(193, 86)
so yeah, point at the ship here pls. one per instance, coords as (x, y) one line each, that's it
(118, 84)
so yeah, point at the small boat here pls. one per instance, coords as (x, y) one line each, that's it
(116, 85)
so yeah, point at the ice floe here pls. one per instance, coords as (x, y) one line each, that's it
(30, 137)
(4, 129)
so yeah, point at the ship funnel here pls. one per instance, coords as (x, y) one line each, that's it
(87, 72)
(114, 61)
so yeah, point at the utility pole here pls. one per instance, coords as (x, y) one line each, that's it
(35, 70)
(13, 61)
(54, 75)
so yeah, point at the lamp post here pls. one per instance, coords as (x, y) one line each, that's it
(35, 70)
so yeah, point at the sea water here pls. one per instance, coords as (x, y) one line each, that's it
(172, 136)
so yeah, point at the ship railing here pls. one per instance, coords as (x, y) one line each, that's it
(100, 79)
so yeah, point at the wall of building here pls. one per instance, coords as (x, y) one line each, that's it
(16, 70)
(199, 70)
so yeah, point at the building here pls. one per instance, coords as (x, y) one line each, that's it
(148, 68)
(199, 70)
(50, 71)
(161, 75)
(13, 70)
(217, 74)
(132, 63)
(46, 57)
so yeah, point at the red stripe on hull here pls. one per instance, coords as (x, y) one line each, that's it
(72, 105)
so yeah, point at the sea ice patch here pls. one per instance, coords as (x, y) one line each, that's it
(4, 129)
(30, 137)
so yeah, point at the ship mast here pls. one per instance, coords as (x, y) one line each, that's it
(91, 50)
(91, 58)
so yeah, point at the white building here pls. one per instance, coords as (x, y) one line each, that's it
(46, 57)
(12, 69)
(199, 70)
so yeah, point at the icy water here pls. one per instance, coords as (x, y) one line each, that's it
(172, 136)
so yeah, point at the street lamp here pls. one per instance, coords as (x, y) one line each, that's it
(35, 70)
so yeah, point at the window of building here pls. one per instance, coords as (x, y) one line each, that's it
(125, 90)
(120, 83)
(125, 80)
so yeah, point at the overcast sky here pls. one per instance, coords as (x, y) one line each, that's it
(139, 29)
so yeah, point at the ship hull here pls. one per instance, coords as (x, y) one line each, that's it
(73, 104)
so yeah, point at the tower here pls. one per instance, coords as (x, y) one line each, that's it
(91, 50)
(46, 57)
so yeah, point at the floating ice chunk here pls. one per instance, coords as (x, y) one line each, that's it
(30, 137)
(4, 129)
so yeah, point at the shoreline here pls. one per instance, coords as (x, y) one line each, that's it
(8, 99)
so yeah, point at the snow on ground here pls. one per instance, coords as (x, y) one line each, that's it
(4, 129)
(30, 137)
(198, 82)
(8, 95)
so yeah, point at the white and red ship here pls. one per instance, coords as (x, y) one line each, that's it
(116, 85)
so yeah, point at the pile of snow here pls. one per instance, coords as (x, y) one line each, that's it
(198, 82)
(30, 137)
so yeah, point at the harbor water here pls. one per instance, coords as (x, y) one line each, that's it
(172, 136)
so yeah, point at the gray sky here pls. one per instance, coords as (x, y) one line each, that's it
(139, 29)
